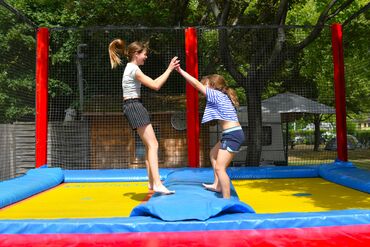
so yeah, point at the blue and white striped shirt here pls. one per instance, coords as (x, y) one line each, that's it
(219, 106)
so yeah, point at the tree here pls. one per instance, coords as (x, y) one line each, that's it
(269, 53)
(277, 46)
(17, 66)
(16, 89)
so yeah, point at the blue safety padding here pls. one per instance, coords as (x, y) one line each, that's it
(239, 221)
(345, 173)
(235, 221)
(111, 175)
(135, 175)
(33, 182)
(191, 201)
(274, 172)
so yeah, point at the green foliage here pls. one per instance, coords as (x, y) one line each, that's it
(63, 47)
(356, 58)
(363, 136)
(304, 13)
(85, 13)
(312, 70)
(16, 98)
(17, 66)
(58, 88)
(351, 126)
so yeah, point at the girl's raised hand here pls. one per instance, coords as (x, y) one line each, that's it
(174, 64)
(178, 68)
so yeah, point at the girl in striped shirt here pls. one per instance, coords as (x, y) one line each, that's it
(221, 103)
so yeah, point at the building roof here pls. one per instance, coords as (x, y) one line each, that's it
(293, 103)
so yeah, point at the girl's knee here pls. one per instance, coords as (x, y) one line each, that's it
(153, 145)
(219, 169)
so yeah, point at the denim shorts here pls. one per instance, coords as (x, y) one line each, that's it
(232, 139)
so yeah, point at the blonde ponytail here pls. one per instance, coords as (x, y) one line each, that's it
(116, 50)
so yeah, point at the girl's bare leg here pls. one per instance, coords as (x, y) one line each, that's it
(149, 139)
(215, 186)
(150, 176)
(224, 158)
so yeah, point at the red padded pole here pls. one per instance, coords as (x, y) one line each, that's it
(42, 56)
(192, 113)
(340, 91)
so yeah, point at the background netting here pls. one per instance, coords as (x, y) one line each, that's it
(17, 95)
(86, 125)
(357, 76)
(87, 129)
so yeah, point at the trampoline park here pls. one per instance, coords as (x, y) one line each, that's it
(89, 186)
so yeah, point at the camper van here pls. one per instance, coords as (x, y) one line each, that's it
(272, 138)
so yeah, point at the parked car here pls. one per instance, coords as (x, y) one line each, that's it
(299, 140)
(352, 143)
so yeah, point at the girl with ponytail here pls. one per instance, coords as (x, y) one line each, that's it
(221, 104)
(133, 109)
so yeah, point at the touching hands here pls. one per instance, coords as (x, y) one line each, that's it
(192, 80)
(178, 69)
(174, 64)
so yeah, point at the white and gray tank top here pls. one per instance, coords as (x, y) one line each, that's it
(130, 86)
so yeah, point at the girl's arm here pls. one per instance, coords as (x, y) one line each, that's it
(193, 81)
(157, 83)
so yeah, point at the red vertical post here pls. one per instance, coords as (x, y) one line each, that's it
(192, 113)
(340, 91)
(42, 57)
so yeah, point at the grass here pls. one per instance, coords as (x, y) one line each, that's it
(304, 154)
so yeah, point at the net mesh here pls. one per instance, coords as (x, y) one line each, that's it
(357, 77)
(87, 129)
(289, 82)
(17, 95)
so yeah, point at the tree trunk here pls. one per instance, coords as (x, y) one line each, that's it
(317, 132)
(254, 135)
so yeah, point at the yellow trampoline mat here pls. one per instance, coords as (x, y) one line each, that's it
(299, 195)
(117, 199)
(80, 200)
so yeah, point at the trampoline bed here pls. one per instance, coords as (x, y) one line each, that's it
(83, 206)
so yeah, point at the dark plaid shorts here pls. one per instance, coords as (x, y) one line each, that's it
(135, 113)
